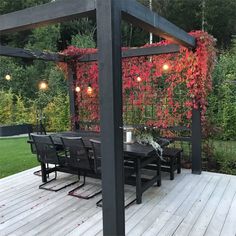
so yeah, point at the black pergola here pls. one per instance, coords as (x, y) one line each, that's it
(108, 14)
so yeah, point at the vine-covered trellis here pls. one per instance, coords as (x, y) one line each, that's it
(158, 90)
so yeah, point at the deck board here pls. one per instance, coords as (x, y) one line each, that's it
(189, 205)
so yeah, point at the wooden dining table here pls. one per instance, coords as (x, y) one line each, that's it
(136, 157)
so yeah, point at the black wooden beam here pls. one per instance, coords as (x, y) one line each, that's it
(196, 142)
(50, 56)
(71, 78)
(110, 87)
(53, 12)
(29, 54)
(137, 52)
(143, 17)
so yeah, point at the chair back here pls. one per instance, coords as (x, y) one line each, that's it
(35, 129)
(96, 147)
(76, 153)
(45, 149)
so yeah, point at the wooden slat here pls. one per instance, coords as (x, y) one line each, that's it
(53, 12)
(229, 227)
(147, 208)
(206, 215)
(168, 219)
(162, 211)
(218, 220)
(190, 204)
(186, 225)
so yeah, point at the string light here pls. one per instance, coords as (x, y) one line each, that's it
(165, 67)
(43, 85)
(77, 89)
(8, 77)
(89, 89)
(139, 79)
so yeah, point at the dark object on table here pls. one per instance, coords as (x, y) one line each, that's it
(172, 161)
(77, 157)
(47, 154)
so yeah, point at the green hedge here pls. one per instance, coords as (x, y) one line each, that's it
(15, 110)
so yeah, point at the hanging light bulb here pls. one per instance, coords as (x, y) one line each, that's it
(165, 67)
(43, 85)
(89, 89)
(139, 79)
(8, 77)
(77, 89)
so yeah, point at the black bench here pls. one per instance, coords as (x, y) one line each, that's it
(171, 160)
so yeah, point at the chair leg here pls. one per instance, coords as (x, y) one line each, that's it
(171, 169)
(179, 163)
(159, 172)
(72, 192)
(39, 172)
(42, 186)
(99, 203)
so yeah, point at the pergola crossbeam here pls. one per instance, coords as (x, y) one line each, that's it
(29, 54)
(150, 21)
(57, 57)
(138, 52)
(45, 14)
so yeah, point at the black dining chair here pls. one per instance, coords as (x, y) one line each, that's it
(77, 157)
(48, 154)
(96, 149)
(35, 129)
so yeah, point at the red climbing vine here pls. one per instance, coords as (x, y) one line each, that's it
(158, 90)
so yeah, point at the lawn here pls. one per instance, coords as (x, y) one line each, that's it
(15, 156)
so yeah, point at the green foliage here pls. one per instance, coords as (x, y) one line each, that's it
(217, 16)
(83, 41)
(6, 107)
(57, 113)
(57, 84)
(44, 38)
(12, 109)
(225, 156)
(222, 102)
(68, 29)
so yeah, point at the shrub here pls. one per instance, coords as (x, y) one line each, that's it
(57, 113)
(6, 107)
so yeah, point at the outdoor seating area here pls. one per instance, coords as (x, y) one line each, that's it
(111, 162)
(79, 153)
(188, 205)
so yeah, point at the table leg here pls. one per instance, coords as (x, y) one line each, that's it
(138, 182)
(158, 171)
(44, 174)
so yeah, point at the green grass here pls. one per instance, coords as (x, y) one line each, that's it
(15, 156)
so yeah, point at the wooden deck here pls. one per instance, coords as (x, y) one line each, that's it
(189, 205)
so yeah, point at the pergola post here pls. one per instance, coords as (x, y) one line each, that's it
(71, 78)
(110, 88)
(196, 142)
